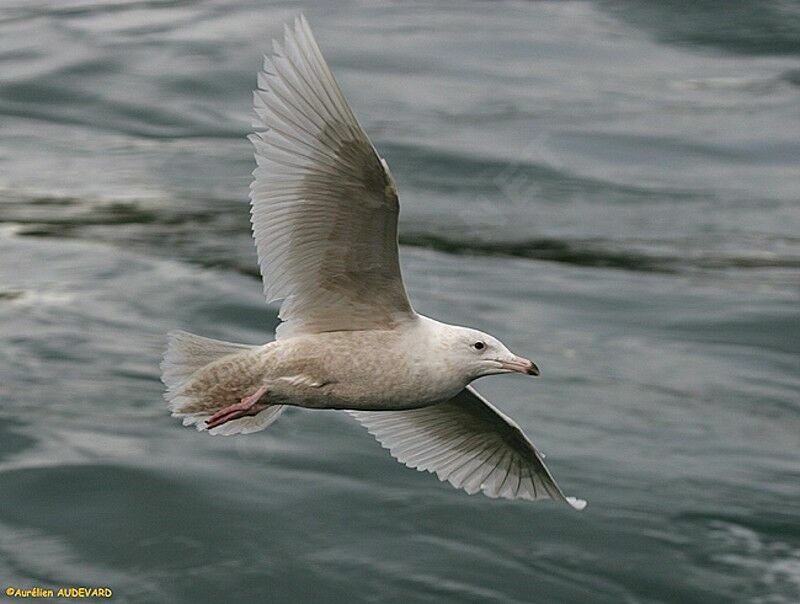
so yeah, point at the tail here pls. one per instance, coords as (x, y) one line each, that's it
(187, 385)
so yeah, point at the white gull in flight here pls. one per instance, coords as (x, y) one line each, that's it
(324, 214)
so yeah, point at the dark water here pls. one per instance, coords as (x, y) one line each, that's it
(613, 188)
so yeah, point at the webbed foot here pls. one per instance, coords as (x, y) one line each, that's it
(249, 405)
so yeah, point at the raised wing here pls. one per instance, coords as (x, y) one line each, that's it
(324, 205)
(469, 443)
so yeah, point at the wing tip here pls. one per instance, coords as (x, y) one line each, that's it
(300, 21)
(577, 504)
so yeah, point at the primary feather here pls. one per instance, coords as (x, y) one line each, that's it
(469, 443)
(324, 206)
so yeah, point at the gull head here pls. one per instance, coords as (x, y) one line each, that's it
(481, 354)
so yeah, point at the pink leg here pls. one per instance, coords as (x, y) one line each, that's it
(249, 405)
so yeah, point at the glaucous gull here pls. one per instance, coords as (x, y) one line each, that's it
(324, 215)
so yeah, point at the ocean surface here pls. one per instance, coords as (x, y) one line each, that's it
(610, 187)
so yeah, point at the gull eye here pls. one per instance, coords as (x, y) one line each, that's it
(479, 345)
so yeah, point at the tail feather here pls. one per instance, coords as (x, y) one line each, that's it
(187, 353)
(186, 356)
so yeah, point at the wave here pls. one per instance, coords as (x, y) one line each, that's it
(769, 27)
(603, 253)
(452, 171)
(216, 234)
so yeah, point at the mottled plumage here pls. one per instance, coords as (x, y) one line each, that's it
(324, 214)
